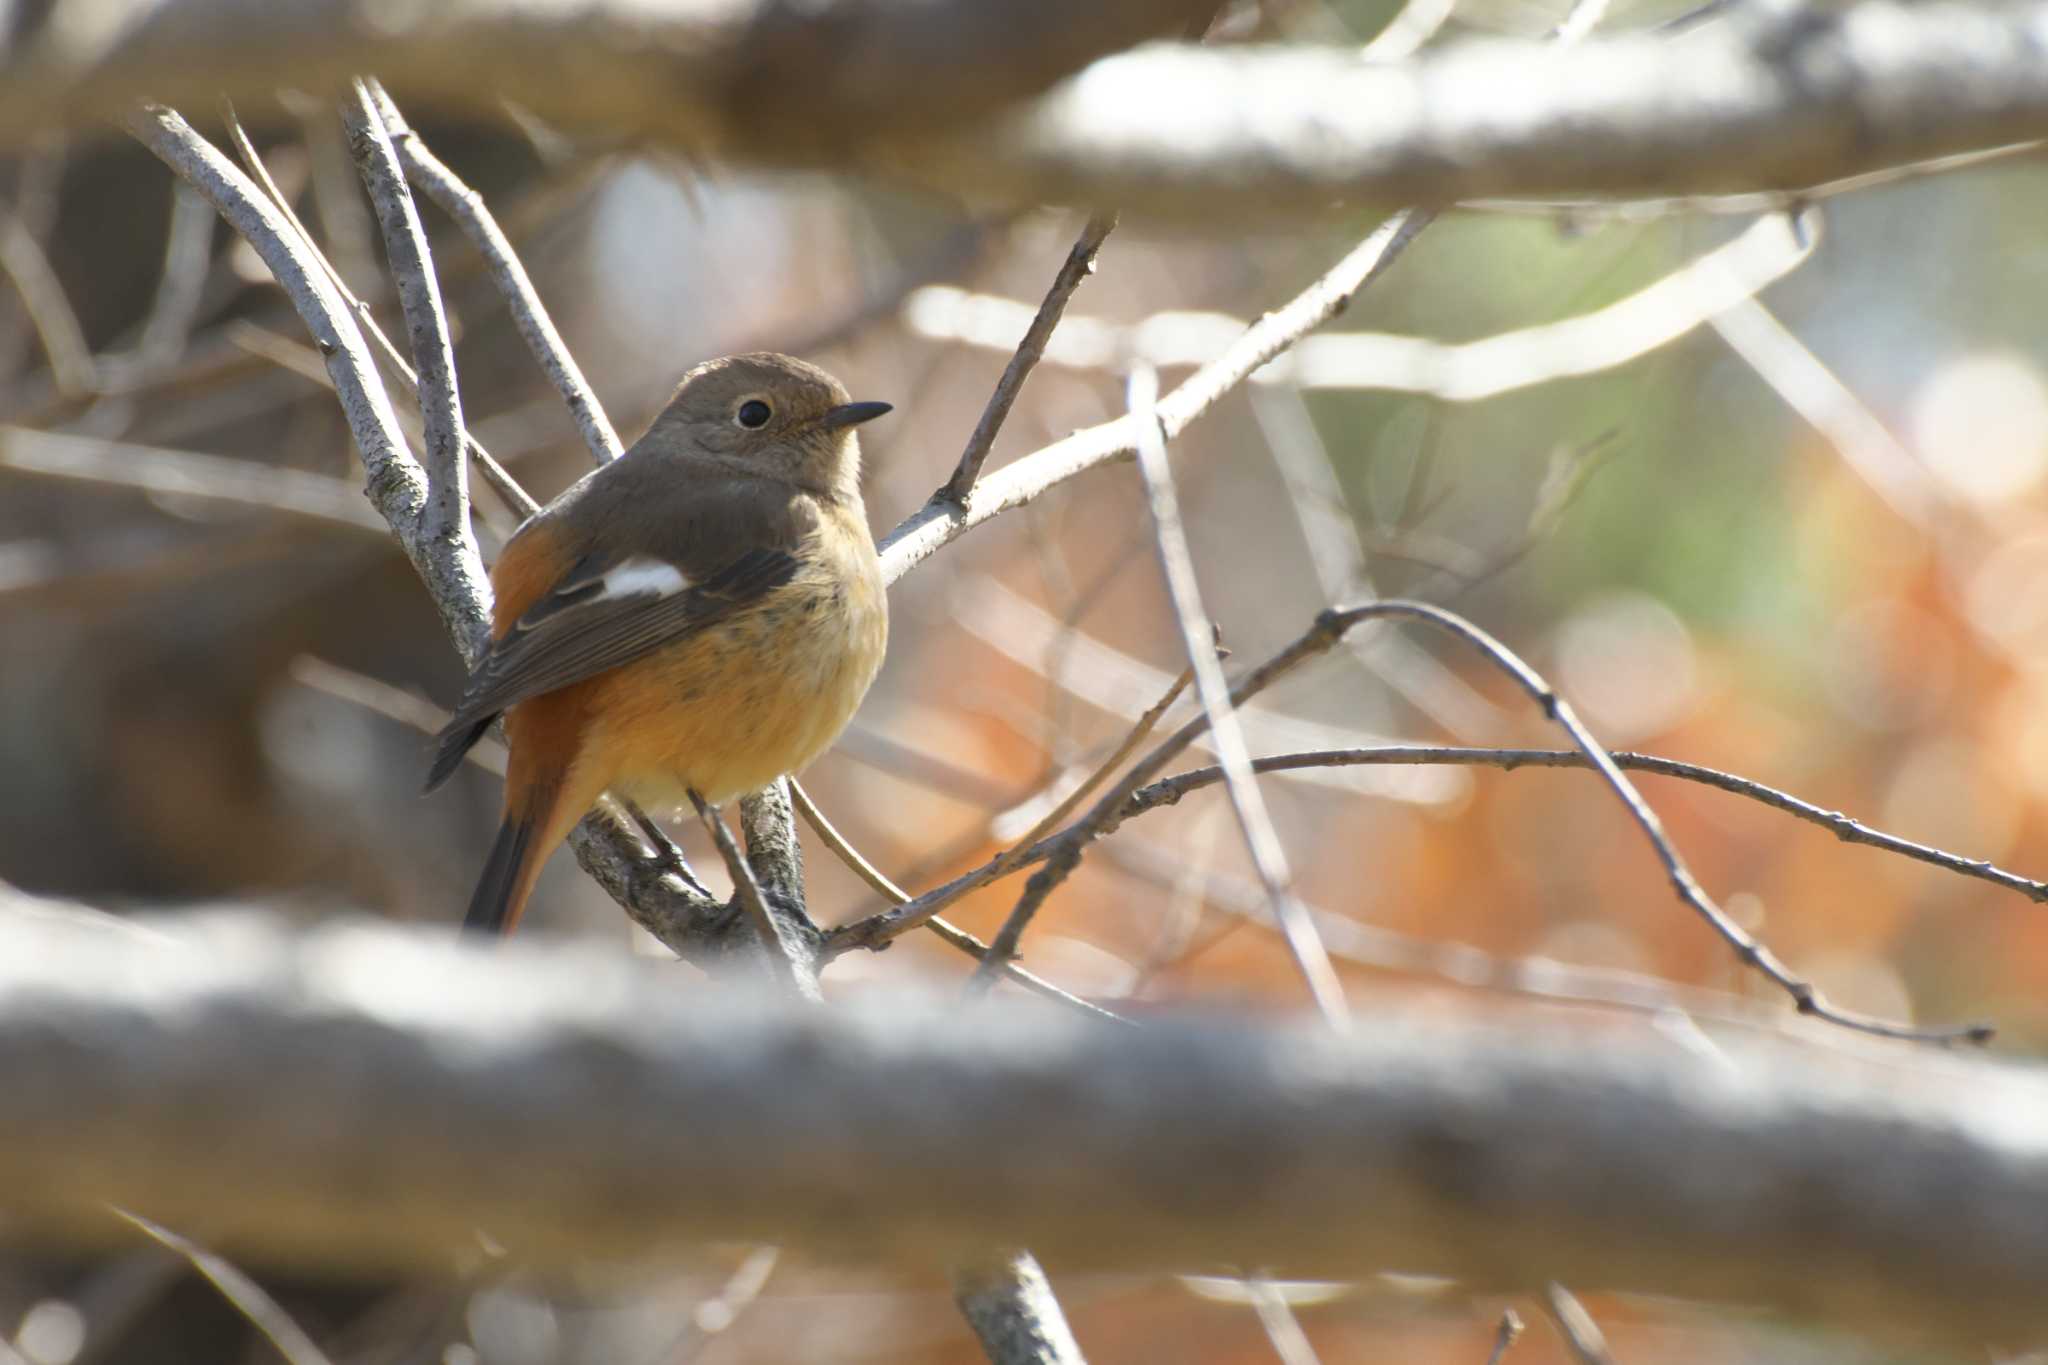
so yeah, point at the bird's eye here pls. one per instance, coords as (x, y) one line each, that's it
(753, 414)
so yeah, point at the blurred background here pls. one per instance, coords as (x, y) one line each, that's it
(1804, 543)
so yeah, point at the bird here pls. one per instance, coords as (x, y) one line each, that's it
(703, 614)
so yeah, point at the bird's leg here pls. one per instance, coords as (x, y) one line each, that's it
(667, 852)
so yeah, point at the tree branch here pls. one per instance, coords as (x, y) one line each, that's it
(396, 486)
(446, 515)
(529, 314)
(797, 82)
(1168, 791)
(368, 1097)
(941, 520)
(1767, 102)
(1078, 266)
(1803, 96)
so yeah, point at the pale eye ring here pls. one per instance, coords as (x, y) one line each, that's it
(753, 414)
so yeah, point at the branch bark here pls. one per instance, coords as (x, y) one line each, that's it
(793, 81)
(940, 92)
(370, 1097)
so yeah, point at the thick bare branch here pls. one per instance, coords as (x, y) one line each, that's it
(1008, 1302)
(1777, 100)
(370, 1097)
(804, 81)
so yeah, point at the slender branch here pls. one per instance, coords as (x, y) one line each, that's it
(941, 520)
(1748, 950)
(1147, 722)
(240, 1289)
(879, 882)
(1080, 264)
(1582, 1335)
(1807, 386)
(1006, 1298)
(396, 485)
(1901, 1195)
(1169, 790)
(789, 959)
(468, 209)
(181, 285)
(1505, 1336)
(1009, 1304)
(1198, 634)
(1062, 853)
(1113, 681)
(1675, 305)
(27, 267)
(446, 517)
(1414, 24)
(500, 480)
(188, 474)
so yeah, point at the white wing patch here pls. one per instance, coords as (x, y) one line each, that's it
(642, 578)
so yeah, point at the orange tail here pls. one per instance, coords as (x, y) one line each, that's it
(507, 880)
(549, 784)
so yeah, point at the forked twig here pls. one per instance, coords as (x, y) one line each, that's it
(1226, 735)
(879, 882)
(1080, 263)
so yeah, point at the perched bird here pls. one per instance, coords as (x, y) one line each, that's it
(704, 613)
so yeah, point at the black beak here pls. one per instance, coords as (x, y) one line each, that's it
(851, 415)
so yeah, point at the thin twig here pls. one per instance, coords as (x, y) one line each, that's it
(717, 1314)
(1144, 726)
(1803, 381)
(494, 473)
(396, 484)
(181, 286)
(1582, 1335)
(1510, 1329)
(1850, 831)
(1579, 20)
(529, 314)
(880, 928)
(789, 962)
(879, 882)
(1062, 853)
(1337, 553)
(1080, 263)
(942, 520)
(1282, 1328)
(1673, 306)
(1748, 950)
(27, 266)
(419, 295)
(188, 474)
(1413, 25)
(238, 1288)
(1226, 735)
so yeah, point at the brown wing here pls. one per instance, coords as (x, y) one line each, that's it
(586, 627)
